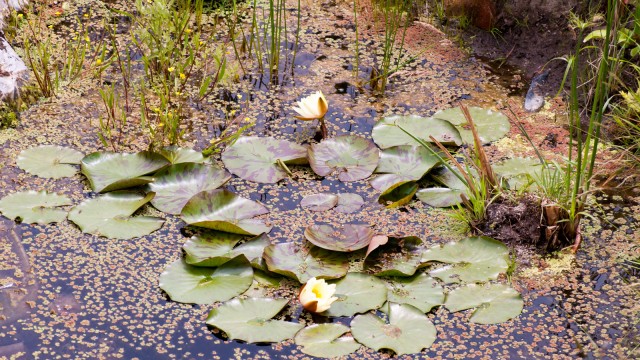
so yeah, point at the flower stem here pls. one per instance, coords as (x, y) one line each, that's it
(323, 128)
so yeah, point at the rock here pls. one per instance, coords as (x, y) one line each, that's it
(13, 71)
(535, 97)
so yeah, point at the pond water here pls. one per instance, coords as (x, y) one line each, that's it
(66, 294)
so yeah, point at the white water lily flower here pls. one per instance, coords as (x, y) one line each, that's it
(317, 296)
(312, 107)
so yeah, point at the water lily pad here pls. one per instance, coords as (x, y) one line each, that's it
(177, 184)
(398, 257)
(491, 125)
(256, 158)
(109, 215)
(519, 171)
(109, 171)
(225, 211)
(408, 331)
(349, 203)
(420, 290)
(410, 161)
(493, 303)
(37, 207)
(306, 261)
(50, 161)
(249, 320)
(202, 285)
(398, 194)
(214, 248)
(356, 294)
(348, 157)
(326, 341)
(444, 196)
(387, 133)
(178, 155)
(440, 197)
(473, 259)
(319, 202)
(346, 238)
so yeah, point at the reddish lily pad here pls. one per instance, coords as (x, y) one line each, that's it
(348, 157)
(349, 203)
(319, 202)
(177, 184)
(225, 211)
(306, 261)
(344, 238)
(256, 158)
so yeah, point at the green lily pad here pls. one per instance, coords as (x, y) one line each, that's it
(387, 133)
(214, 248)
(202, 285)
(493, 303)
(491, 125)
(409, 161)
(37, 207)
(109, 215)
(348, 157)
(225, 211)
(473, 259)
(420, 291)
(178, 155)
(306, 261)
(357, 293)
(397, 257)
(256, 158)
(408, 331)
(444, 196)
(249, 320)
(398, 194)
(326, 341)
(109, 171)
(175, 185)
(349, 203)
(519, 171)
(50, 161)
(319, 202)
(346, 238)
(440, 197)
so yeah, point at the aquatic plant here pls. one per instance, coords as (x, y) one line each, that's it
(317, 296)
(313, 107)
(349, 269)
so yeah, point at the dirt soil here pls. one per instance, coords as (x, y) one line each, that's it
(527, 42)
(81, 296)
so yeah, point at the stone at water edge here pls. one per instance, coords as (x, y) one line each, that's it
(535, 97)
(13, 71)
